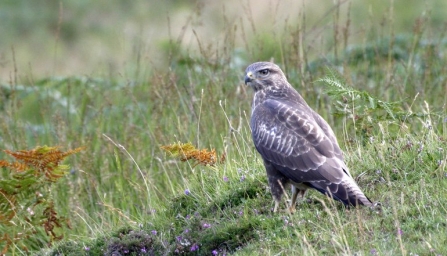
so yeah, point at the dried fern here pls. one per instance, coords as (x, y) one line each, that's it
(186, 151)
(25, 199)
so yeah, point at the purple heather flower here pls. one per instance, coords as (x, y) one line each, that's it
(187, 192)
(188, 217)
(143, 250)
(225, 178)
(194, 247)
(86, 248)
(154, 232)
(179, 238)
(206, 225)
(186, 231)
(241, 213)
(214, 252)
(421, 147)
(242, 178)
(400, 232)
(373, 252)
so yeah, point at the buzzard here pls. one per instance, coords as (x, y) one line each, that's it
(297, 145)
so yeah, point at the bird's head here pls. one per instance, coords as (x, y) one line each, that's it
(260, 75)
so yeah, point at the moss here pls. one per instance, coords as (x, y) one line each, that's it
(229, 236)
(238, 195)
(132, 243)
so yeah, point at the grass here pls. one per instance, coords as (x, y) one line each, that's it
(381, 86)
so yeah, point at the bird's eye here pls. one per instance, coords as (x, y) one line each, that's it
(264, 72)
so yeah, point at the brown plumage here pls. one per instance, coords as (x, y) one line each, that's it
(297, 145)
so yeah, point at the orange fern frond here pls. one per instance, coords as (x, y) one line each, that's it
(4, 163)
(43, 160)
(32, 172)
(186, 151)
(15, 165)
(7, 206)
(51, 221)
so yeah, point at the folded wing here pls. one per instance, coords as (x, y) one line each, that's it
(302, 146)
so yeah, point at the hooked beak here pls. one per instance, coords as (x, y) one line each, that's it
(248, 78)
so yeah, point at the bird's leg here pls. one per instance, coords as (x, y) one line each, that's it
(278, 196)
(295, 192)
(278, 191)
(276, 182)
(275, 209)
(303, 193)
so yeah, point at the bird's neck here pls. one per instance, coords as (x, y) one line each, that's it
(273, 92)
(277, 93)
(268, 93)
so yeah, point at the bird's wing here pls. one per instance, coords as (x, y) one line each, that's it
(328, 132)
(303, 148)
(287, 135)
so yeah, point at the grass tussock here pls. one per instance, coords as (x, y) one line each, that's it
(381, 86)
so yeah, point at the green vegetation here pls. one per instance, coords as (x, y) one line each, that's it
(378, 74)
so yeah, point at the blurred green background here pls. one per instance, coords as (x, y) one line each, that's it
(59, 38)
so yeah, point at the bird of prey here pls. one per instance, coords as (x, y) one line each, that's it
(297, 145)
